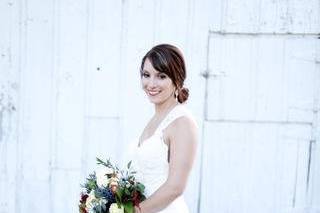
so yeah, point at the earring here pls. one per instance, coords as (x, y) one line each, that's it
(176, 93)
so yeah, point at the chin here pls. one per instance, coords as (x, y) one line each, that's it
(155, 100)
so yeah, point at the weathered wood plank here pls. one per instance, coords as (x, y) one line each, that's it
(70, 73)
(314, 148)
(104, 41)
(71, 64)
(8, 96)
(36, 99)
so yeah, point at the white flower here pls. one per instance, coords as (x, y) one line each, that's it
(90, 199)
(114, 208)
(93, 202)
(102, 178)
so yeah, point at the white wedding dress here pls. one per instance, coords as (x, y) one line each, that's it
(150, 160)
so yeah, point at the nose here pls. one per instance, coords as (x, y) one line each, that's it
(152, 82)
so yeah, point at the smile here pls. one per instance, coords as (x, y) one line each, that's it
(153, 93)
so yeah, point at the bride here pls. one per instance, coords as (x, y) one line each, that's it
(164, 153)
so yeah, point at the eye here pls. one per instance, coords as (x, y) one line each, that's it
(162, 76)
(145, 75)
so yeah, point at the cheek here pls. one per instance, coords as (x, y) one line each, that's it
(168, 86)
(143, 83)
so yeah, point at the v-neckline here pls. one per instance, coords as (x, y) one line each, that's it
(141, 142)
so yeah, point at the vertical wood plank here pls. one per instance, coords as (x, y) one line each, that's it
(9, 94)
(314, 158)
(71, 57)
(103, 81)
(104, 34)
(70, 84)
(35, 97)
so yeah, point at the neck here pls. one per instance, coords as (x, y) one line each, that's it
(165, 106)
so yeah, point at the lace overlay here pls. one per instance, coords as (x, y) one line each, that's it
(150, 160)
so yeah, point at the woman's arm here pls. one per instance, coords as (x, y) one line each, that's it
(182, 136)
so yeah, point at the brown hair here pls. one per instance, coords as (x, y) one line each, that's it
(168, 59)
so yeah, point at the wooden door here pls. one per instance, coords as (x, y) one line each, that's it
(259, 122)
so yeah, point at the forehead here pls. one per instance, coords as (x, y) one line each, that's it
(148, 66)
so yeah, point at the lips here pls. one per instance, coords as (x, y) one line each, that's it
(153, 93)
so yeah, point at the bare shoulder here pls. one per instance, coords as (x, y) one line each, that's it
(184, 127)
(183, 122)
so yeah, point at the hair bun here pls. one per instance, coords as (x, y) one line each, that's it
(183, 95)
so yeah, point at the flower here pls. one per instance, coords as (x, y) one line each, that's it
(115, 209)
(113, 184)
(90, 199)
(82, 204)
(97, 205)
(102, 176)
(83, 198)
(109, 188)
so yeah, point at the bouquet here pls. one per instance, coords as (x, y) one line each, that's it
(111, 190)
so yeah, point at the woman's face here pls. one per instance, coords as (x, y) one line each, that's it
(158, 86)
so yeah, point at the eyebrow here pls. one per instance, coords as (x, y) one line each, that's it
(144, 70)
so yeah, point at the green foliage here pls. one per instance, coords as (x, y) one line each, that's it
(119, 194)
(129, 165)
(91, 183)
(108, 164)
(128, 207)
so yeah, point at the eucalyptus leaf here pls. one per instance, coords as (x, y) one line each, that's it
(129, 164)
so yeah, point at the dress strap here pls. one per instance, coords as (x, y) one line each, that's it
(177, 112)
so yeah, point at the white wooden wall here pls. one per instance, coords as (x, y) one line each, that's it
(70, 91)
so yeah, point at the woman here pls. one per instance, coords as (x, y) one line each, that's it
(166, 149)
